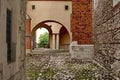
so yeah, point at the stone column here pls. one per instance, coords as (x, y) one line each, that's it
(28, 35)
(57, 41)
(53, 44)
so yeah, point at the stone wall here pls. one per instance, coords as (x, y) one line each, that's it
(81, 23)
(107, 36)
(13, 69)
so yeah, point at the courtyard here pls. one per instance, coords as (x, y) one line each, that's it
(60, 66)
(88, 29)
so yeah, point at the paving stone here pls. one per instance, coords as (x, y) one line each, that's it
(61, 67)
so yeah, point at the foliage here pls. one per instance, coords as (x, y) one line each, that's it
(86, 73)
(32, 72)
(43, 40)
(69, 66)
(48, 73)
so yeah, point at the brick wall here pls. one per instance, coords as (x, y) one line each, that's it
(81, 21)
(28, 34)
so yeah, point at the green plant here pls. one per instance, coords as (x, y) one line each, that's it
(69, 66)
(43, 40)
(32, 71)
(48, 73)
(85, 73)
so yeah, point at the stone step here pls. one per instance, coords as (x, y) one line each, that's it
(50, 51)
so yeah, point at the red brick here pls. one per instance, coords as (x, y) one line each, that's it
(81, 21)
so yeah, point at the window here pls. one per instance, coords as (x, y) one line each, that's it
(8, 34)
(33, 7)
(66, 7)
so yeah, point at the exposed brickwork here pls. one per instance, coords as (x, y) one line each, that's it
(81, 23)
(107, 36)
(28, 32)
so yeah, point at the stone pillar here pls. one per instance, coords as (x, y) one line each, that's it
(57, 41)
(53, 44)
(28, 35)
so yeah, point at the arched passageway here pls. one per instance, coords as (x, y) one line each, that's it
(42, 38)
(64, 38)
(59, 37)
(33, 34)
(44, 12)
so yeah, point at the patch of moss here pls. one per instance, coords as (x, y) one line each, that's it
(32, 72)
(48, 73)
(69, 66)
(86, 73)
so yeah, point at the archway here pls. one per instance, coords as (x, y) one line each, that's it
(59, 37)
(64, 38)
(42, 38)
(33, 34)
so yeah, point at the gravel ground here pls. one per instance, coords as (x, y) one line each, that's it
(62, 67)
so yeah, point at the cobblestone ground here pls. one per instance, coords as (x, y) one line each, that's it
(61, 67)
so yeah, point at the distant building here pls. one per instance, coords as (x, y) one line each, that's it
(12, 41)
(55, 16)
(67, 21)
